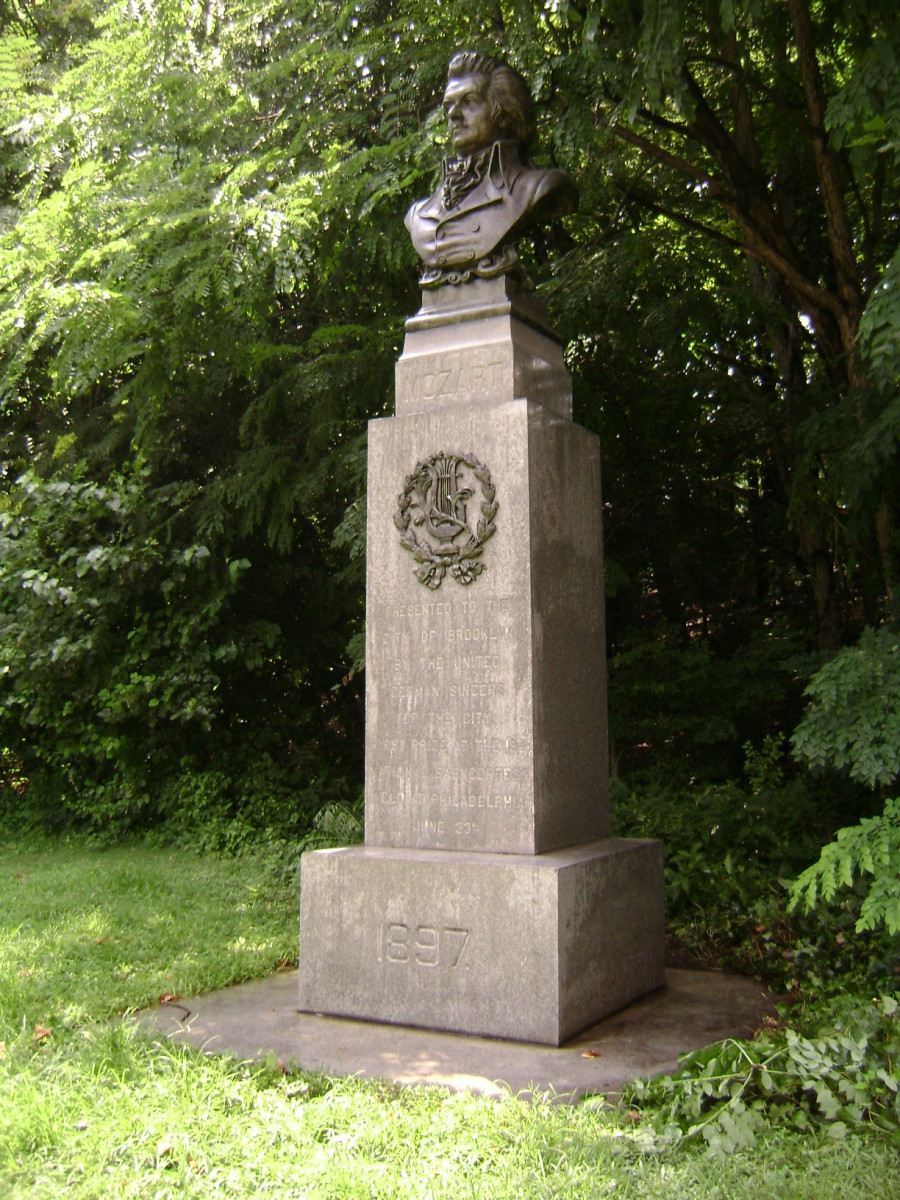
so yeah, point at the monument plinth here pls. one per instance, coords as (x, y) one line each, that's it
(488, 897)
(479, 343)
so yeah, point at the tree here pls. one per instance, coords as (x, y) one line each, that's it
(190, 412)
(204, 275)
(770, 131)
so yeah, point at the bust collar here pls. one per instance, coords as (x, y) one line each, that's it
(504, 163)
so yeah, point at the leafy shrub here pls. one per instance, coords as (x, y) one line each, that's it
(842, 1076)
(138, 685)
(726, 842)
(853, 720)
(870, 848)
(105, 628)
(682, 710)
(732, 852)
(853, 725)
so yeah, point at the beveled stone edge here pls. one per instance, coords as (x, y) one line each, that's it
(433, 319)
(551, 859)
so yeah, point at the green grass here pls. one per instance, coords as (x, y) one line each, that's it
(91, 1108)
(86, 934)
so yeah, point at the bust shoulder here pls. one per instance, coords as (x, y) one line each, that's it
(551, 192)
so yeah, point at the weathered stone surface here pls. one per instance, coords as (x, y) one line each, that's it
(486, 703)
(482, 342)
(526, 948)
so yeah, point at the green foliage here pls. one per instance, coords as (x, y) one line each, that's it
(179, 318)
(726, 842)
(728, 1093)
(97, 638)
(128, 659)
(733, 854)
(870, 848)
(853, 724)
(109, 628)
(684, 708)
(335, 825)
(879, 335)
(853, 718)
(864, 120)
(203, 276)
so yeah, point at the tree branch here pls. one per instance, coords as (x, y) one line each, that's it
(776, 252)
(828, 170)
(664, 156)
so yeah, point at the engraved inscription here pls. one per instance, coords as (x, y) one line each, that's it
(451, 763)
(457, 378)
(421, 945)
(427, 608)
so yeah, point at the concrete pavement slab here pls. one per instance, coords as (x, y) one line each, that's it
(253, 1020)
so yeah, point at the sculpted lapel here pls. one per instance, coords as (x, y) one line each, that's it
(491, 215)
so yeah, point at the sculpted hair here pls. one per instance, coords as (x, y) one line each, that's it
(507, 93)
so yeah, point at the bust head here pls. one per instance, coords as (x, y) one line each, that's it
(485, 101)
(489, 193)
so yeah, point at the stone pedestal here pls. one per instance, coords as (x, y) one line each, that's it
(489, 897)
(481, 343)
(534, 948)
(486, 703)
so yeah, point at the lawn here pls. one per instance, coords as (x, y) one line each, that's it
(91, 1108)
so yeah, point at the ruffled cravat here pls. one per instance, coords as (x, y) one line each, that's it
(463, 174)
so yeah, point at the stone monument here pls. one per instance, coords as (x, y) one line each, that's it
(488, 897)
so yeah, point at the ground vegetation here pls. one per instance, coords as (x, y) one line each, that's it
(203, 280)
(89, 1107)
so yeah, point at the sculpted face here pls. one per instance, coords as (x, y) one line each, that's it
(472, 126)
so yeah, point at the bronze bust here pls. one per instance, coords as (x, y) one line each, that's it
(489, 192)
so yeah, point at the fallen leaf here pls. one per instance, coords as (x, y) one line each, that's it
(274, 1063)
(168, 998)
(591, 1054)
(40, 1033)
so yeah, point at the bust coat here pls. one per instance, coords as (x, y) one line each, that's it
(509, 197)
